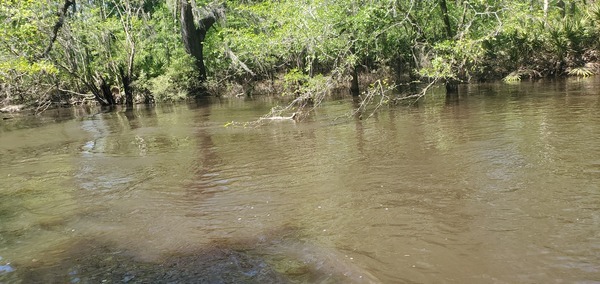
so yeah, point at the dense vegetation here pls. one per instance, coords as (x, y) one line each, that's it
(130, 51)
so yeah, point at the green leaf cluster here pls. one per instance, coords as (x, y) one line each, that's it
(290, 41)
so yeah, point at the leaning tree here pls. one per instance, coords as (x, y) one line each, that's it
(195, 22)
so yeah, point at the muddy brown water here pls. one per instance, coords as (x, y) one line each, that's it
(501, 185)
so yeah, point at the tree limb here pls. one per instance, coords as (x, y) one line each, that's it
(59, 23)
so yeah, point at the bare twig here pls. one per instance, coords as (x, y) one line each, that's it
(74, 93)
(418, 95)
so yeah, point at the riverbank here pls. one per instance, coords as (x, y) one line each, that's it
(297, 99)
(284, 48)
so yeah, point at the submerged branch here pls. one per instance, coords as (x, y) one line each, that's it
(418, 95)
(380, 89)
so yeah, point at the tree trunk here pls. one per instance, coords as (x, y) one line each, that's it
(451, 87)
(126, 78)
(446, 18)
(97, 93)
(193, 37)
(105, 97)
(450, 84)
(354, 89)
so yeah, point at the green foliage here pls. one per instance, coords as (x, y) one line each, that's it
(514, 76)
(308, 44)
(22, 66)
(165, 70)
(548, 44)
(23, 25)
(178, 78)
(294, 79)
(439, 68)
(581, 72)
(568, 38)
(456, 60)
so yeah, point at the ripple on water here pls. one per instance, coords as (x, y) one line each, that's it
(494, 189)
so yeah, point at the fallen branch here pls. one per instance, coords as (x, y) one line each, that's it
(418, 95)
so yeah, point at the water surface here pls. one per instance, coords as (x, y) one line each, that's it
(500, 185)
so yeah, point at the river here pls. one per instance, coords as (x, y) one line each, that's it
(501, 185)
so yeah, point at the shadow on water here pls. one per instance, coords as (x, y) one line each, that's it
(276, 257)
(208, 160)
(146, 111)
(90, 262)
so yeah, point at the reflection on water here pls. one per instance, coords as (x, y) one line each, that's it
(498, 185)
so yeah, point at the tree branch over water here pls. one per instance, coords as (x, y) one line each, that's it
(59, 23)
